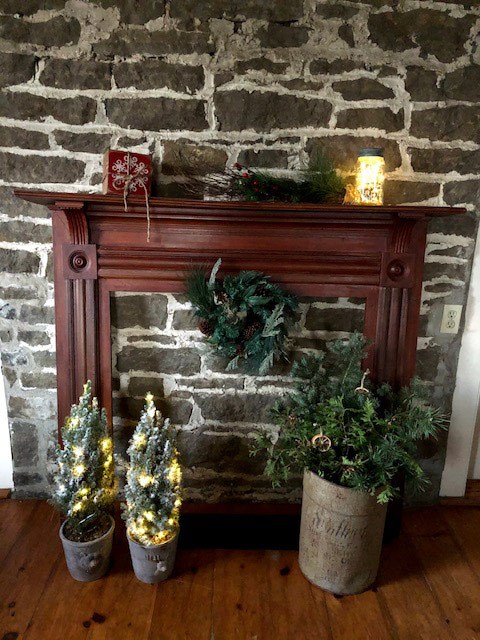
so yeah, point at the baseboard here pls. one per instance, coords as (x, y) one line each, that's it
(249, 525)
(240, 525)
(470, 499)
(5, 494)
(472, 491)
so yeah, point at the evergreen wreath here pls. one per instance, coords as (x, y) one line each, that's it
(245, 316)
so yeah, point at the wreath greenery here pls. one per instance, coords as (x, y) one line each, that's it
(245, 316)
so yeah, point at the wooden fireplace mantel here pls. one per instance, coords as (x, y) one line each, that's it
(374, 253)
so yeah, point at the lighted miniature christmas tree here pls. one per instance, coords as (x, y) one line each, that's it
(154, 478)
(84, 483)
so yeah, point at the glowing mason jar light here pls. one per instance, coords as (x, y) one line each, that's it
(370, 176)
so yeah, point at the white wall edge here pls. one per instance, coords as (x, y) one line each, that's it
(6, 465)
(467, 393)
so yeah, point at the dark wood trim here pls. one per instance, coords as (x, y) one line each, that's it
(76, 305)
(240, 525)
(472, 491)
(241, 508)
(136, 204)
(470, 499)
(5, 494)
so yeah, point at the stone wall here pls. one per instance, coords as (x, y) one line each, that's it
(213, 82)
(157, 347)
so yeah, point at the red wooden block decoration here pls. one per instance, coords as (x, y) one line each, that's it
(127, 173)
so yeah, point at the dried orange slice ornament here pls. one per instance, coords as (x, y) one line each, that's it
(361, 389)
(321, 442)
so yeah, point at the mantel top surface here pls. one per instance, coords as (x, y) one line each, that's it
(113, 203)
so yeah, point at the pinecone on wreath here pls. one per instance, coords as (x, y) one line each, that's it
(250, 331)
(205, 327)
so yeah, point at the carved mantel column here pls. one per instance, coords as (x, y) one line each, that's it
(76, 304)
(399, 300)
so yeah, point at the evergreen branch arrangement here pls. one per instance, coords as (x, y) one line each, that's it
(154, 476)
(319, 182)
(84, 482)
(345, 429)
(245, 317)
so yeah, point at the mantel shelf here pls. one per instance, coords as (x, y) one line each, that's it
(112, 203)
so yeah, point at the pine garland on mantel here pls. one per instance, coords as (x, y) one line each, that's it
(245, 317)
(318, 182)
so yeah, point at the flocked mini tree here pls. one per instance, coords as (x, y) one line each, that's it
(84, 483)
(153, 489)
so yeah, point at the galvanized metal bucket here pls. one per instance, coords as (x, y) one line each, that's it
(88, 561)
(155, 563)
(340, 536)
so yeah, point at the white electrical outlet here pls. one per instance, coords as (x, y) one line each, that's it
(452, 314)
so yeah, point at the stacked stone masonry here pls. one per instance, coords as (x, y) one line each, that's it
(157, 347)
(208, 84)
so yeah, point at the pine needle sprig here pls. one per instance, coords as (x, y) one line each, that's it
(199, 292)
(319, 182)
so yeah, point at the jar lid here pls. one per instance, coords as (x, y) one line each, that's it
(374, 151)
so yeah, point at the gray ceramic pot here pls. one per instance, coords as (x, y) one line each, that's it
(88, 561)
(340, 536)
(155, 563)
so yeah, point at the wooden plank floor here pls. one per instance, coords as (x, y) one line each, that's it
(428, 589)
